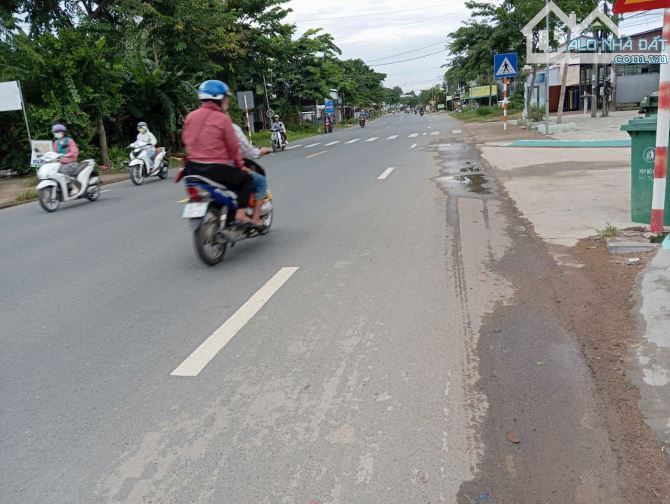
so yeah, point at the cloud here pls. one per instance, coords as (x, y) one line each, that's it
(386, 32)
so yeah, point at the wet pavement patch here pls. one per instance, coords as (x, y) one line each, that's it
(462, 172)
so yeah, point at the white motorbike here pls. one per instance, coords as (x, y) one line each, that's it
(278, 143)
(53, 187)
(138, 169)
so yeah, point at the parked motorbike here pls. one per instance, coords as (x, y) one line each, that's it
(53, 186)
(138, 168)
(278, 143)
(211, 209)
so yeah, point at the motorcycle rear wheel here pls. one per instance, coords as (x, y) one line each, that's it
(164, 171)
(208, 242)
(93, 193)
(48, 198)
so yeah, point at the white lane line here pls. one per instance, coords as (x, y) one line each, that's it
(208, 349)
(423, 134)
(413, 135)
(372, 139)
(429, 127)
(386, 173)
(317, 154)
(413, 145)
(456, 131)
(293, 147)
(312, 145)
(332, 143)
(352, 141)
(392, 137)
(434, 133)
(105, 190)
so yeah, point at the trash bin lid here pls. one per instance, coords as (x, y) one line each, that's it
(640, 124)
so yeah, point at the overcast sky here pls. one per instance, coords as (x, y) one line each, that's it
(379, 31)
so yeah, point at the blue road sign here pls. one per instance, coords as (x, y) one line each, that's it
(330, 108)
(505, 65)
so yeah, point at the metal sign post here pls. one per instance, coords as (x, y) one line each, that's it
(246, 111)
(505, 65)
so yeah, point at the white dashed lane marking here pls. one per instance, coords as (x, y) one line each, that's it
(332, 143)
(392, 137)
(413, 145)
(372, 139)
(413, 135)
(456, 131)
(386, 173)
(434, 133)
(209, 348)
(312, 145)
(352, 141)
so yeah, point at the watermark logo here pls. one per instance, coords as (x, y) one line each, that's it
(611, 49)
(649, 154)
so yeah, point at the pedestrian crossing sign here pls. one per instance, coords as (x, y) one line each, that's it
(505, 65)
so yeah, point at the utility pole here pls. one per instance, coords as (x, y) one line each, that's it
(546, 73)
(267, 100)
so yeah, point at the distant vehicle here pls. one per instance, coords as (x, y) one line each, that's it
(138, 168)
(278, 143)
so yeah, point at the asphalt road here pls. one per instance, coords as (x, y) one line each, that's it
(355, 380)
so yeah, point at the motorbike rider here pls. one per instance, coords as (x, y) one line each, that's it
(147, 137)
(328, 123)
(277, 125)
(249, 152)
(66, 146)
(212, 147)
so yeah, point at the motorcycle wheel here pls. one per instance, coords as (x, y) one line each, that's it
(48, 198)
(136, 175)
(274, 147)
(283, 146)
(93, 192)
(208, 242)
(267, 220)
(164, 171)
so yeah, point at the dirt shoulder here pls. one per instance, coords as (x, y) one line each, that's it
(592, 294)
(596, 303)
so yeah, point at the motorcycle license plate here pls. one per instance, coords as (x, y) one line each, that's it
(194, 210)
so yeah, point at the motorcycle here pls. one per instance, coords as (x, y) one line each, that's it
(138, 169)
(278, 143)
(53, 187)
(361, 122)
(210, 210)
(420, 112)
(329, 127)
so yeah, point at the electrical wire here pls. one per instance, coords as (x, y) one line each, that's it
(378, 13)
(407, 52)
(409, 59)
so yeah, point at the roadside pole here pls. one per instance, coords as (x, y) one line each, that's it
(246, 112)
(546, 71)
(505, 103)
(662, 133)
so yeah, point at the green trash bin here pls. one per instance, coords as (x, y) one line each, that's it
(642, 133)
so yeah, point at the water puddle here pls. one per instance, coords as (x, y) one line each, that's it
(462, 173)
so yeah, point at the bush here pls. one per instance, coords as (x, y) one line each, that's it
(536, 114)
(487, 111)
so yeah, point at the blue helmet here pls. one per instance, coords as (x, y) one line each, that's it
(213, 90)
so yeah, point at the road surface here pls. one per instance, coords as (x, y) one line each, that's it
(380, 345)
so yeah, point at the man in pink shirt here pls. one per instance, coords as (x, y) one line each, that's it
(212, 148)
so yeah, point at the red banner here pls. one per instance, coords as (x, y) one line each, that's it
(639, 5)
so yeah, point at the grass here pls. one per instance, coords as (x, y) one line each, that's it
(27, 195)
(482, 114)
(609, 231)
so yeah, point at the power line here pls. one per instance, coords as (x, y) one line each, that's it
(410, 59)
(364, 15)
(407, 52)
